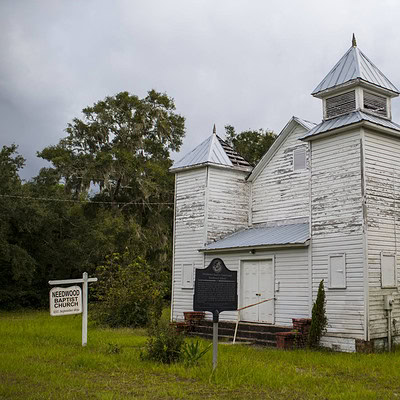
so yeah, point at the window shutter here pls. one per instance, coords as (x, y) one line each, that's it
(337, 271)
(299, 159)
(187, 276)
(341, 104)
(375, 103)
(388, 270)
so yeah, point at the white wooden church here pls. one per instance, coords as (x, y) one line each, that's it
(323, 203)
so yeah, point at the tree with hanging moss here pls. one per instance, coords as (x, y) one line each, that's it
(319, 320)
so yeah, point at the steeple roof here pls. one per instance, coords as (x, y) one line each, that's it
(212, 151)
(354, 65)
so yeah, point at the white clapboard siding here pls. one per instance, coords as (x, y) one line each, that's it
(336, 228)
(279, 193)
(190, 195)
(227, 202)
(211, 202)
(292, 273)
(382, 170)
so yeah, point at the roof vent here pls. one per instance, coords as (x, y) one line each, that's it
(341, 104)
(375, 103)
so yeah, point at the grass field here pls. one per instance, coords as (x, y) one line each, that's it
(41, 358)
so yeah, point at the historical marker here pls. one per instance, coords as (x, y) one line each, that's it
(215, 290)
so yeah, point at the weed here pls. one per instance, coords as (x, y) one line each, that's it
(193, 352)
(164, 344)
(113, 348)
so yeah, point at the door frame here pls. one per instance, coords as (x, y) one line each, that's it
(240, 268)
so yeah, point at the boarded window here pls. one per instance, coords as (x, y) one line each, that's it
(341, 104)
(375, 103)
(337, 271)
(299, 159)
(388, 270)
(187, 276)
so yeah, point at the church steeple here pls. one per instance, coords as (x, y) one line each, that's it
(355, 83)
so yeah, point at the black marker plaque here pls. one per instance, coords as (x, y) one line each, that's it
(215, 288)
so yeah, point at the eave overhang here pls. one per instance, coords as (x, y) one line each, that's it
(358, 124)
(259, 247)
(353, 83)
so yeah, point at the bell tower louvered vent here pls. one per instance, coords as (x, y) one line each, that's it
(341, 104)
(374, 103)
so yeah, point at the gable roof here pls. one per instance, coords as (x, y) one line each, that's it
(212, 151)
(273, 236)
(354, 65)
(349, 119)
(307, 125)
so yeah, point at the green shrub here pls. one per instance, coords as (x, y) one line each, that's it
(126, 292)
(164, 344)
(319, 320)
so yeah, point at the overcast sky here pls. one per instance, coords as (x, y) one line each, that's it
(248, 63)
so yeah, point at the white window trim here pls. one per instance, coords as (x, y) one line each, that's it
(389, 254)
(303, 149)
(183, 285)
(343, 255)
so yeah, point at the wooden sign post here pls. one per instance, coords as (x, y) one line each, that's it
(215, 290)
(64, 301)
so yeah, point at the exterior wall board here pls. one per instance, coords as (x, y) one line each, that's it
(382, 166)
(189, 233)
(227, 205)
(337, 228)
(279, 193)
(210, 203)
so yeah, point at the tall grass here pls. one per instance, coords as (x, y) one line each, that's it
(41, 357)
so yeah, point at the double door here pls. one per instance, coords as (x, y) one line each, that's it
(257, 284)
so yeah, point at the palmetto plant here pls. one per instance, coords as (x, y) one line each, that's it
(192, 352)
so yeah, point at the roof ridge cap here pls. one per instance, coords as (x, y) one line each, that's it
(357, 60)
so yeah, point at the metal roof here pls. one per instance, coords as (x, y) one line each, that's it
(265, 236)
(354, 65)
(349, 119)
(214, 151)
(306, 124)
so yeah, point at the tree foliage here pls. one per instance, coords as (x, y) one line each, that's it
(120, 144)
(250, 144)
(128, 291)
(107, 191)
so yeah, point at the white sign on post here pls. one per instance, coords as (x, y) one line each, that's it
(65, 301)
(62, 293)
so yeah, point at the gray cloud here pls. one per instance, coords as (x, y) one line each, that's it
(251, 64)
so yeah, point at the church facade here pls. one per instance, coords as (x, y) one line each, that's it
(322, 204)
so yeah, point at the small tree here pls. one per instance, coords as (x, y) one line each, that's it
(319, 320)
(127, 292)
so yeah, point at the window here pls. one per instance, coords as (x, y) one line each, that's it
(376, 104)
(388, 270)
(341, 104)
(187, 276)
(299, 159)
(337, 271)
